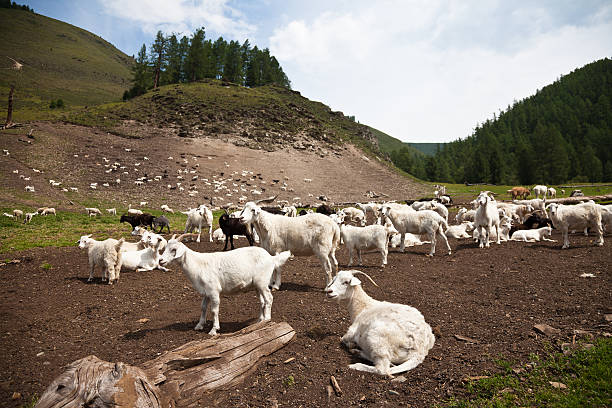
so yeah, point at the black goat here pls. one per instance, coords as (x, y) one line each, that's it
(273, 210)
(233, 226)
(325, 209)
(535, 220)
(161, 222)
(145, 219)
(303, 212)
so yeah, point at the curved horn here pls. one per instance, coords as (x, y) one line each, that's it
(266, 200)
(173, 236)
(366, 275)
(183, 236)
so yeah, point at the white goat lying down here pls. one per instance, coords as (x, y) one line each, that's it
(460, 231)
(381, 332)
(533, 235)
(465, 215)
(409, 240)
(145, 259)
(217, 273)
(310, 234)
(106, 254)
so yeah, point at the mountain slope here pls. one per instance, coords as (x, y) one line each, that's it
(60, 61)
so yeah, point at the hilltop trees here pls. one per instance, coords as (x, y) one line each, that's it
(191, 59)
(562, 133)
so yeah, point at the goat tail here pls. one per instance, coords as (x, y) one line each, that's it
(119, 244)
(281, 259)
(444, 225)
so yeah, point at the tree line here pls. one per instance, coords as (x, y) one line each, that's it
(171, 60)
(562, 133)
(13, 5)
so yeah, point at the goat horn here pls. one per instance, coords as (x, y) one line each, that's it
(183, 236)
(173, 236)
(366, 275)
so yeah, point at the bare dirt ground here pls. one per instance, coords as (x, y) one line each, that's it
(51, 317)
(77, 156)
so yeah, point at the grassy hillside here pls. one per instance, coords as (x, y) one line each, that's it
(60, 61)
(389, 144)
(267, 117)
(429, 149)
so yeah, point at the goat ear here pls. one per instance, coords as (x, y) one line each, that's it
(89, 236)
(180, 251)
(355, 281)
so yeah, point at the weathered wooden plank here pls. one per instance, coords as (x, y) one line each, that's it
(576, 200)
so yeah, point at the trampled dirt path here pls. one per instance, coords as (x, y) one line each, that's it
(51, 317)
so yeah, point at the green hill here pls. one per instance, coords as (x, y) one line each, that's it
(60, 61)
(429, 149)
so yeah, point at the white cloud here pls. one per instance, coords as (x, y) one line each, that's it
(431, 70)
(181, 16)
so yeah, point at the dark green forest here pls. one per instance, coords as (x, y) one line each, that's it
(562, 133)
(172, 60)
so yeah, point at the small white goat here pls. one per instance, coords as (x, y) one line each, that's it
(540, 190)
(111, 211)
(18, 213)
(381, 332)
(505, 223)
(217, 273)
(353, 215)
(552, 193)
(371, 237)
(92, 211)
(578, 216)
(165, 208)
(30, 189)
(198, 218)
(465, 215)
(105, 254)
(48, 210)
(460, 231)
(28, 217)
(533, 235)
(289, 211)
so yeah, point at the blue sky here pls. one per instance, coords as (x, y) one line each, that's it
(419, 70)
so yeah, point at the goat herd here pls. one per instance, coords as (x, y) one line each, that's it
(394, 337)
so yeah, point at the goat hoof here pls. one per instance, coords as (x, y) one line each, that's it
(213, 332)
(199, 327)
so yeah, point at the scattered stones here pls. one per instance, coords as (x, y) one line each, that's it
(558, 385)
(466, 339)
(399, 379)
(393, 392)
(546, 330)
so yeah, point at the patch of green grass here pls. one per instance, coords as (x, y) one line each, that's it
(46, 265)
(582, 378)
(289, 381)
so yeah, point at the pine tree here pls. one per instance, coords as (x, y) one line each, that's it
(158, 54)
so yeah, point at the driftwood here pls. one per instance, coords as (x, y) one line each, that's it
(177, 378)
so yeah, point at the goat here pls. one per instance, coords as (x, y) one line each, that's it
(460, 231)
(18, 213)
(417, 222)
(198, 217)
(534, 235)
(28, 217)
(552, 193)
(93, 211)
(366, 238)
(145, 219)
(578, 216)
(48, 210)
(381, 332)
(111, 211)
(165, 208)
(106, 254)
(233, 226)
(143, 260)
(465, 215)
(486, 217)
(516, 192)
(353, 215)
(311, 234)
(324, 209)
(217, 273)
(540, 190)
(289, 211)
(161, 222)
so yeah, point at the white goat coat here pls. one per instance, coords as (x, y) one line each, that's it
(460, 231)
(418, 222)
(534, 235)
(486, 217)
(365, 238)
(465, 215)
(580, 216)
(198, 218)
(310, 234)
(143, 260)
(105, 254)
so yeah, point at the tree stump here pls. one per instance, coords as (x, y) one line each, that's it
(177, 378)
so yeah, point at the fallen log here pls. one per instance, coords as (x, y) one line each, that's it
(576, 200)
(177, 378)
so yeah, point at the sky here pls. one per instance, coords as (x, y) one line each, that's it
(418, 70)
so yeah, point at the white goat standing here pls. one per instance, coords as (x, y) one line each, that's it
(310, 234)
(540, 190)
(381, 332)
(197, 218)
(231, 272)
(106, 254)
(371, 237)
(580, 216)
(417, 222)
(486, 217)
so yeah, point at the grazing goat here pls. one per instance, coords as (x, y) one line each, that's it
(521, 192)
(48, 210)
(227, 273)
(578, 216)
(233, 226)
(93, 211)
(552, 193)
(486, 217)
(417, 222)
(198, 218)
(393, 336)
(28, 217)
(111, 211)
(18, 213)
(165, 208)
(533, 235)
(324, 209)
(144, 219)
(311, 234)
(540, 190)
(161, 222)
(105, 254)
(576, 193)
